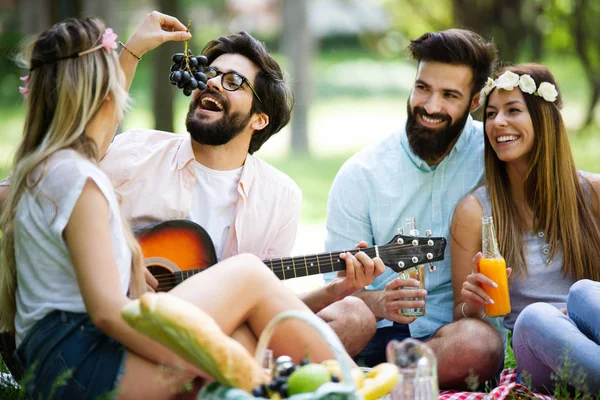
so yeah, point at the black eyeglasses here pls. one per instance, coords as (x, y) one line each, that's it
(230, 81)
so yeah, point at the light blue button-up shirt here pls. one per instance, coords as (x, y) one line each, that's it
(386, 182)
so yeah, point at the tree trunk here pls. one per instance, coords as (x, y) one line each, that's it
(298, 44)
(163, 95)
(63, 9)
(107, 11)
(589, 118)
(34, 16)
(584, 44)
(497, 19)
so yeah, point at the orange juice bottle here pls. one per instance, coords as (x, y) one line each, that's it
(493, 266)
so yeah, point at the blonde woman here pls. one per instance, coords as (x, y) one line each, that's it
(69, 261)
(547, 220)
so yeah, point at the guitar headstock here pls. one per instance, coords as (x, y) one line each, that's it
(404, 252)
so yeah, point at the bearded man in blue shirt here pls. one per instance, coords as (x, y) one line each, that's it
(423, 171)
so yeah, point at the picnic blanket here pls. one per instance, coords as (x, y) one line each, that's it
(507, 389)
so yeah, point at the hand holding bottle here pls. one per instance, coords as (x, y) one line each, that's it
(473, 291)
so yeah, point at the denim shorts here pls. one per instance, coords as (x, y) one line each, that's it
(68, 345)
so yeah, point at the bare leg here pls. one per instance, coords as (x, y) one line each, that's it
(237, 293)
(244, 335)
(352, 321)
(145, 380)
(468, 346)
(242, 290)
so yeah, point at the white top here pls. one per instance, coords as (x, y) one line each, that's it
(213, 202)
(46, 279)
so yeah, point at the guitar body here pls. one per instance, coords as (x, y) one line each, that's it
(173, 247)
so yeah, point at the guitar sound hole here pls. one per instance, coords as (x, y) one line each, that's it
(164, 276)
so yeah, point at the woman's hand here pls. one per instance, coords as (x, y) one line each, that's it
(472, 290)
(156, 29)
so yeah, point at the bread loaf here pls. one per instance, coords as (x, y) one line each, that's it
(196, 337)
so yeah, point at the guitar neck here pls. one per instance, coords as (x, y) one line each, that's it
(401, 253)
(296, 267)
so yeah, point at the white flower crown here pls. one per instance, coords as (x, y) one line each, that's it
(509, 80)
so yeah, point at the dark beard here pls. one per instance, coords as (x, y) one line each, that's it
(431, 144)
(215, 133)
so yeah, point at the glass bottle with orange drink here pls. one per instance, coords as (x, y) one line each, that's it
(493, 266)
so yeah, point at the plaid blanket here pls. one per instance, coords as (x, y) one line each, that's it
(507, 389)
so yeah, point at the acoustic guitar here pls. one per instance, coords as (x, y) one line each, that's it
(178, 249)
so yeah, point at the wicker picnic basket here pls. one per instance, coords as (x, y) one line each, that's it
(345, 390)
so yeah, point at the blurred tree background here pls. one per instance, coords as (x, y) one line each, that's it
(346, 63)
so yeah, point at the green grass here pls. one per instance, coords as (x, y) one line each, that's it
(314, 175)
(7, 390)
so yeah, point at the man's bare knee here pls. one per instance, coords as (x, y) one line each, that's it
(468, 347)
(352, 321)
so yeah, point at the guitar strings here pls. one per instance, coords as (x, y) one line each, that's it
(279, 266)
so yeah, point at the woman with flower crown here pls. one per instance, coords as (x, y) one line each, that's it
(70, 262)
(547, 216)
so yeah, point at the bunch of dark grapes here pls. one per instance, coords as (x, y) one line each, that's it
(187, 72)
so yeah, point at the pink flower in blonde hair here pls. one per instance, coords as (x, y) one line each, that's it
(109, 40)
(24, 90)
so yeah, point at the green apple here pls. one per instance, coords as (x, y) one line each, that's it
(307, 379)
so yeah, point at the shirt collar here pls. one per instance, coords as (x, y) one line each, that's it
(458, 146)
(248, 174)
(185, 154)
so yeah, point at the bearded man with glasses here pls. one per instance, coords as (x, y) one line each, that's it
(211, 177)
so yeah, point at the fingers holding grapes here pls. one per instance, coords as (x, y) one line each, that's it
(154, 30)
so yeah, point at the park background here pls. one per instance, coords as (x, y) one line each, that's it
(346, 62)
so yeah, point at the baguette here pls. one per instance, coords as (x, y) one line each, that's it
(195, 336)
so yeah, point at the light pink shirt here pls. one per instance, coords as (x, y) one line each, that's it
(154, 178)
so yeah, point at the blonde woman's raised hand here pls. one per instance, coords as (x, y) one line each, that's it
(156, 29)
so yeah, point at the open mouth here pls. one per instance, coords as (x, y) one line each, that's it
(506, 138)
(211, 104)
(431, 122)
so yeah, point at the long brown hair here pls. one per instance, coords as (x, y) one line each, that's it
(65, 94)
(552, 190)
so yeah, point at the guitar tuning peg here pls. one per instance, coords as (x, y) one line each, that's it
(429, 256)
(428, 233)
(400, 240)
(414, 232)
(415, 260)
(401, 264)
(432, 267)
(430, 242)
(400, 231)
(415, 242)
